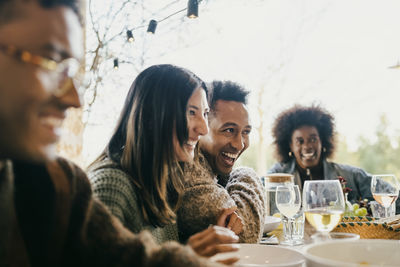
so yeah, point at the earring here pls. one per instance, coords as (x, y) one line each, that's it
(324, 149)
(290, 153)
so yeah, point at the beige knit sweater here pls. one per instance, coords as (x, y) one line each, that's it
(204, 198)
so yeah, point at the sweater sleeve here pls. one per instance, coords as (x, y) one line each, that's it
(202, 202)
(204, 199)
(245, 188)
(96, 238)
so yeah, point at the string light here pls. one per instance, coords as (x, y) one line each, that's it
(192, 12)
(129, 35)
(193, 9)
(152, 26)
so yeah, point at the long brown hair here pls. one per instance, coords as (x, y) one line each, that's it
(142, 143)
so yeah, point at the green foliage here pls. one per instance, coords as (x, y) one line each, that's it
(382, 156)
(344, 155)
(376, 157)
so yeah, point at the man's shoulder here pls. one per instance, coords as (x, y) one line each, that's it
(76, 176)
(65, 177)
(69, 167)
(243, 171)
(244, 175)
(199, 172)
(56, 166)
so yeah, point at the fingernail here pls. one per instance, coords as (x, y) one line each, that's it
(234, 236)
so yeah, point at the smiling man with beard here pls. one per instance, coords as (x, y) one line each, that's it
(211, 183)
(48, 216)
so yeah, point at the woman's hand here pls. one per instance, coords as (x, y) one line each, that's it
(215, 239)
(231, 220)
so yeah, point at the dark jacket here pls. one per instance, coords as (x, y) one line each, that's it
(357, 179)
(51, 219)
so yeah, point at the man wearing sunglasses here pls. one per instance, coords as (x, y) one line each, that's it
(47, 214)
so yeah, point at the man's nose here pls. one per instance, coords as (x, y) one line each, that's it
(238, 142)
(71, 97)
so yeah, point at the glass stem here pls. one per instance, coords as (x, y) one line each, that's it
(325, 235)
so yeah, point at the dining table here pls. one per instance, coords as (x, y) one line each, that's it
(274, 237)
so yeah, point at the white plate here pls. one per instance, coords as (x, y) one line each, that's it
(254, 255)
(357, 253)
(271, 223)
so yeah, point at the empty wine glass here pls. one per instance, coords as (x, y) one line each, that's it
(385, 190)
(323, 204)
(288, 202)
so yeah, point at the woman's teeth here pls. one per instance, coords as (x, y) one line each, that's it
(191, 143)
(308, 155)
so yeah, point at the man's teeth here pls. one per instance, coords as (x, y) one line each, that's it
(51, 121)
(232, 156)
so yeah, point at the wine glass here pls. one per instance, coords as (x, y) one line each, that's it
(288, 202)
(385, 190)
(323, 204)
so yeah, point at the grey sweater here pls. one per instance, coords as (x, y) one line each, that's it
(205, 196)
(113, 187)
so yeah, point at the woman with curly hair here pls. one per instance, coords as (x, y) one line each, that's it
(304, 139)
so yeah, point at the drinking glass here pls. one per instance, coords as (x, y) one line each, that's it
(288, 202)
(385, 190)
(323, 204)
(272, 181)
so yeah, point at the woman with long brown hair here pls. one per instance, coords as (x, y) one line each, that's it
(139, 174)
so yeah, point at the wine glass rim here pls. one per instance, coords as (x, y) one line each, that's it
(319, 181)
(287, 185)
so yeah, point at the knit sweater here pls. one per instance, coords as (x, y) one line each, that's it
(51, 219)
(114, 188)
(205, 197)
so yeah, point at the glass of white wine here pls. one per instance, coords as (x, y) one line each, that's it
(323, 204)
(288, 202)
(385, 190)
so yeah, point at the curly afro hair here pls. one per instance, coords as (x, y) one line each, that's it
(297, 116)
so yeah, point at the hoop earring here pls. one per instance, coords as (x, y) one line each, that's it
(290, 153)
(324, 149)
